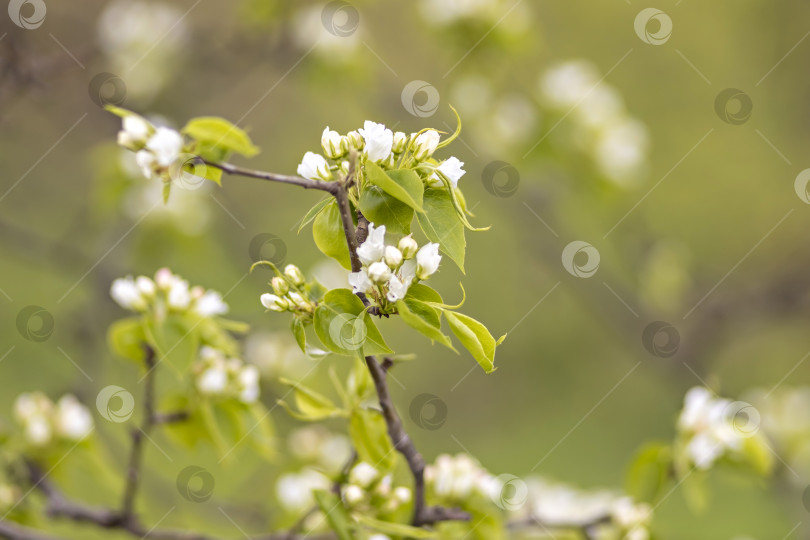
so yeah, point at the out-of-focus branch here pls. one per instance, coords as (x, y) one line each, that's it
(306, 183)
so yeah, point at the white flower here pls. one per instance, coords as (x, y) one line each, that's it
(249, 379)
(134, 132)
(210, 304)
(145, 286)
(273, 302)
(425, 144)
(360, 282)
(402, 494)
(378, 140)
(397, 289)
(295, 274)
(333, 144)
(451, 169)
(408, 246)
(147, 162)
(164, 279)
(379, 272)
(408, 270)
(373, 248)
(362, 474)
(427, 260)
(166, 145)
(213, 380)
(392, 256)
(38, 430)
(314, 167)
(73, 420)
(697, 403)
(353, 494)
(399, 142)
(294, 491)
(126, 294)
(704, 450)
(25, 406)
(179, 296)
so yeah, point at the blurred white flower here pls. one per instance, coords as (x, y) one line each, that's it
(294, 490)
(73, 420)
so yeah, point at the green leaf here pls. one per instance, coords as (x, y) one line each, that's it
(424, 319)
(475, 337)
(314, 211)
(335, 513)
(344, 327)
(423, 293)
(695, 491)
(175, 343)
(441, 224)
(394, 529)
(311, 405)
(369, 434)
(649, 472)
(757, 454)
(220, 133)
(299, 332)
(121, 112)
(329, 235)
(127, 338)
(383, 209)
(402, 184)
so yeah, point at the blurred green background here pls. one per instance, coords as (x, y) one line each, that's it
(698, 225)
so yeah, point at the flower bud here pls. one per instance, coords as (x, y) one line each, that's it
(279, 285)
(355, 140)
(353, 494)
(344, 167)
(427, 260)
(134, 132)
(333, 144)
(400, 142)
(379, 272)
(299, 300)
(402, 494)
(295, 274)
(363, 474)
(314, 167)
(425, 144)
(408, 247)
(392, 257)
(274, 303)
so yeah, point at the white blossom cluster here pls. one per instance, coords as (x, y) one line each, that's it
(379, 145)
(217, 375)
(603, 127)
(706, 425)
(388, 271)
(166, 293)
(560, 505)
(455, 478)
(316, 445)
(44, 421)
(366, 489)
(289, 293)
(156, 148)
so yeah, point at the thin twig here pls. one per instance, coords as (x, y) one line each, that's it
(306, 183)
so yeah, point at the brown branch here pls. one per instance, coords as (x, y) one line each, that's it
(306, 183)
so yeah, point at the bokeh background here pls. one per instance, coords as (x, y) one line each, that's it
(577, 126)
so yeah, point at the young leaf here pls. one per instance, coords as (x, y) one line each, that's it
(299, 332)
(336, 515)
(126, 337)
(394, 529)
(441, 224)
(383, 209)
(174, 342)
(329, 235)
(311, 405)
(220, 133)
(649, 472)
(424, 319)
(402, 184)
(313, 212)
(423, 293)
(475, 337)
(369, 434)
(344, 327)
